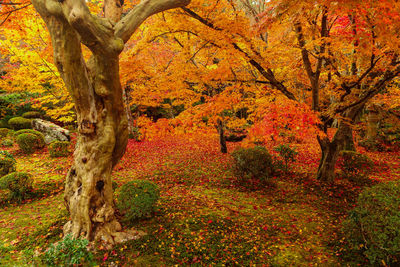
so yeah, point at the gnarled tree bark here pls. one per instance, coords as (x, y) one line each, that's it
(96, 91)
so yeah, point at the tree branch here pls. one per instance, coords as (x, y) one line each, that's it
(265, 72)
(377, 88)
(96, 33)
(69, 59)
(128, 24)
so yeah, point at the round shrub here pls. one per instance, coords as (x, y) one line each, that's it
(31, 131)
(373, 226)
(59, 149)
(354, 164)
(4, 123)
(29, 142)
(137, 199)
(7, 163)
(32, 115)
(19, 184)
(253, 163)
(4, 132)
(18, 123)
(7, 143)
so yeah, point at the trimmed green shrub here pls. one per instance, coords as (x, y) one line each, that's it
(355, 165)
(32, 115)
(4, 132)
(137, 199)
(29, 142)
(59, 149)
(253, 163)
(69, 252)
(31, 131)
(7, 163)
(18, 123)
(4, 124)
(287, 154)
(373, 226)
(19, 184)
(7, 143)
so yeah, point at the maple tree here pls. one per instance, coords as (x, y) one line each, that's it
(333, 56)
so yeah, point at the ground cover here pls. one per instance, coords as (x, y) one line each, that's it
(204, 216)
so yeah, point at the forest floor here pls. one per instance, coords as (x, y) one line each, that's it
(205, 217)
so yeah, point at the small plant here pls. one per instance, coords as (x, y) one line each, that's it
(59, 149)
(137, 199)
(354, 165)
(4, 132)
(69, 252)
(373, 226)
(253, 163)
(288, 154)
(7, 143)
(29, 142)
(32, 115)
(19, 123)
(7, 163)
(19, 184)
(135, 134)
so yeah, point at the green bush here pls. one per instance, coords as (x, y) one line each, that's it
(59, 149)
(7, 163)
(32, 115)
(29, 142)
(355, 165)
(373, 226)
(137, 199)
(4, 123)
(4, 132)
(253, 163)
(69, 252)
(18, 123)
(31, 131)
(13, 105)
(287, 154)
(7, 143)
(19, 184)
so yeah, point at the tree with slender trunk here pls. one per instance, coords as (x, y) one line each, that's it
(98, 97)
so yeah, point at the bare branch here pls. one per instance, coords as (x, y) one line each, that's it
(128, 25)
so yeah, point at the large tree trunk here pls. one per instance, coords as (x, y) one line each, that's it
(88, 190)
(97, 94)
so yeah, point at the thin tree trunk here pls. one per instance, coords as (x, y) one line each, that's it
(128, 109)
(222, 138)
(373, 119)
(348, 138)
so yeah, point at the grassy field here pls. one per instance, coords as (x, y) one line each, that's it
(205, 217)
